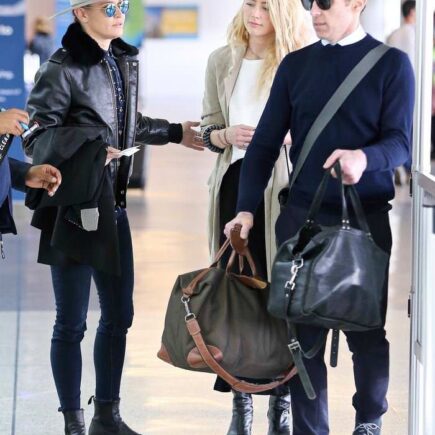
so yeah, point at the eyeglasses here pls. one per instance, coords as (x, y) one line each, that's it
(110, 8)
(323, 4)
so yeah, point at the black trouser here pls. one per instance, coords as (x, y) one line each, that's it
(227, 210)
(71, 289)
(257, 245)
(370, 350)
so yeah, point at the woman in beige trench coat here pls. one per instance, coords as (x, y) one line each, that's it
(237, 85)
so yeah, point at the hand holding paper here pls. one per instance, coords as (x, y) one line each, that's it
(114, 153)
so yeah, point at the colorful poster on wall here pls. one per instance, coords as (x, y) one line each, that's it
(12, 46)
(171, 22)
(134, 29)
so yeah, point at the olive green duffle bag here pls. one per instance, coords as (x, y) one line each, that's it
(218, 322)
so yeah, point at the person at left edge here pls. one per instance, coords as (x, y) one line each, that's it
(18, 175)
(84, 98)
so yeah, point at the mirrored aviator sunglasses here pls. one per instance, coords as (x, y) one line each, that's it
(110, 9)
(323, 4)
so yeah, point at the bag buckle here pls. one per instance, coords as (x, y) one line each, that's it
(297, 264)
(189, 315)
(294, 346)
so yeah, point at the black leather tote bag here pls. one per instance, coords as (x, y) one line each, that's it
(330, 277)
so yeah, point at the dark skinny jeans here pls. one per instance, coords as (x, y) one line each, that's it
(71, 285)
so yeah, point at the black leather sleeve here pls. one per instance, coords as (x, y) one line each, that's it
(152, 131)
(49, 100)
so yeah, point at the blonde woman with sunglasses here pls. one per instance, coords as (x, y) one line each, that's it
(238, 81)
(85, 98)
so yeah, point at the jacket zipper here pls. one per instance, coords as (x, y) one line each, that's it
(127, 93)
(117, 126)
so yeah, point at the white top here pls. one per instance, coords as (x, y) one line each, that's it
(404, 39)
(358, 35)
(246, 103)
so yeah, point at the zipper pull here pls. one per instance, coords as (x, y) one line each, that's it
(2, 251)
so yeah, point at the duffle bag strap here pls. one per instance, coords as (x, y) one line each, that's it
(235, 383)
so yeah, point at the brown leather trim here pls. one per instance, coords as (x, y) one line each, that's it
(195, 360)
(254, 281)
(164, 355)
(251, 282)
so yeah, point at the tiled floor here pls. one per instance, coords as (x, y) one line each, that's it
(169, 232)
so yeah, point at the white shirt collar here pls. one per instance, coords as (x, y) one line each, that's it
(354, 37)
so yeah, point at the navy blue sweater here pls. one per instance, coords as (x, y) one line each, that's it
(376, 117)
(12, 174)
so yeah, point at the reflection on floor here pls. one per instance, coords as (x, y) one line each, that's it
(169, 232)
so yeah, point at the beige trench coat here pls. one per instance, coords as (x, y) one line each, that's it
(220, 80)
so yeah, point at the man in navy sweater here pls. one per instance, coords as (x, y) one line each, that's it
(370, 135)
(14, 173)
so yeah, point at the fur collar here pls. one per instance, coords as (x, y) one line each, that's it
(85, 50)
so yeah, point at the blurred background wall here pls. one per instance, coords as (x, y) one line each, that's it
(174, 68)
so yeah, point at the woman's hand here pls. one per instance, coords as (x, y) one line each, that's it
(243, 218)
(192, 138)
(112, 153)
(239, 135)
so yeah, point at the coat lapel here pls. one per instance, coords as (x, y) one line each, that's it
(231, 79)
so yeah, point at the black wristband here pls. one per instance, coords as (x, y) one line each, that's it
(175, 133)
(206, 138)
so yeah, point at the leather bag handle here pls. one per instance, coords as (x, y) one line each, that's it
(345, 191)
(240, 247)
(237, 384)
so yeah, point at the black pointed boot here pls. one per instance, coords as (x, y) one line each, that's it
(107, 420)
(279, 415)
(243, 414)
(74, 422)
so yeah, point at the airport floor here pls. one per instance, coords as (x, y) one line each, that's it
(168, 222)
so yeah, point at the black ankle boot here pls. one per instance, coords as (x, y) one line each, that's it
(107, 420)
(74, 422)
(279, 415)
(243, 413)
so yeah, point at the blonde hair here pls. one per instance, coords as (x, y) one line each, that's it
(287, 17)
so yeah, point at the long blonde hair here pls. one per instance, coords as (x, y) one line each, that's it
(291, 33)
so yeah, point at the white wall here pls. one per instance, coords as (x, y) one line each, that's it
(381, 17)
(34, 9)
(175, 68)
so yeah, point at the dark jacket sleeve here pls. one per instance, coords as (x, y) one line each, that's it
(6, 221)
(49, 100)
(80, 155)
(18, 173)
(157, 131)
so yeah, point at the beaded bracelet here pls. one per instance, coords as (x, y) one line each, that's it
(206, 137)
(225, 136)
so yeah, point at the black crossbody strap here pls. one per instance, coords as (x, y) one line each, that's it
(298, 355)
(5, 144)
(335, 102)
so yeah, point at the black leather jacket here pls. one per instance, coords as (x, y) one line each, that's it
(74, 89)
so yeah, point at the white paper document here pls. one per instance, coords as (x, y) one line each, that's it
(129, 151)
